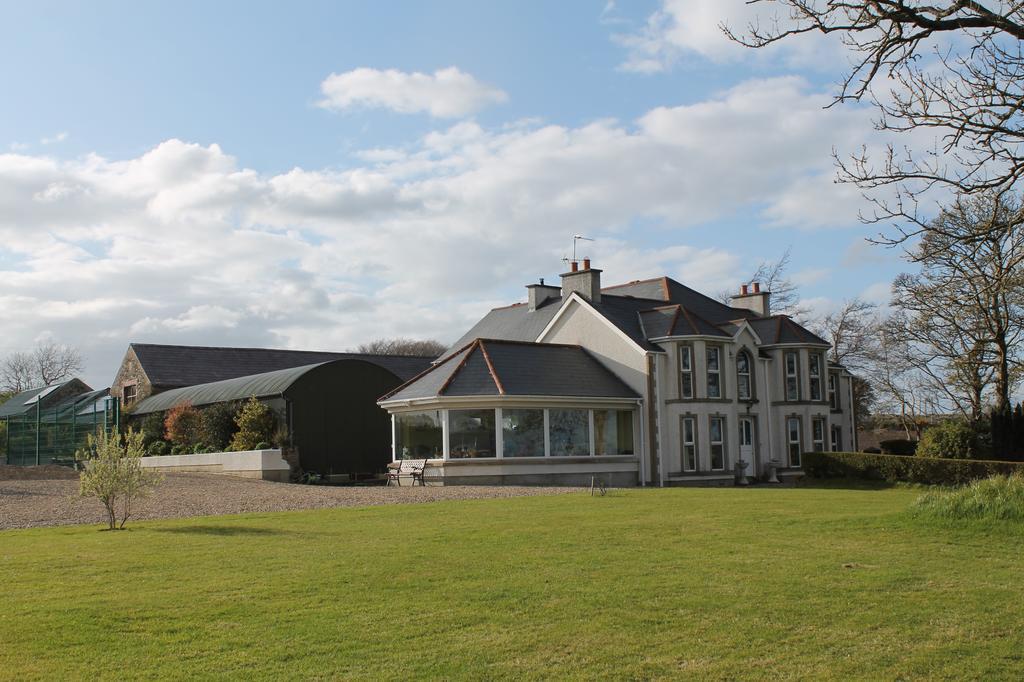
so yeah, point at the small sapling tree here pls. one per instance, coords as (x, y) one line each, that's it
(114, 475)
(256, 424)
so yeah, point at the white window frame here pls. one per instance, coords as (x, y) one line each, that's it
(691, 443)
(686, 371)
(749, 374)
(814, 361)
(835, 443)
(720, 443)
(818, 444)
(790, 442)
(717, 372)
(793, 376)
(833, 391)
(124, 393)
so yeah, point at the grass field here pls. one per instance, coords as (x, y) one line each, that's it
(730, 583)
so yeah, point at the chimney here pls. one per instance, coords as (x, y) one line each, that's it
(537, 294)
(756, 300)
(586, 282)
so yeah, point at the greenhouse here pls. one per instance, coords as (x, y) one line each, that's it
(47, 425)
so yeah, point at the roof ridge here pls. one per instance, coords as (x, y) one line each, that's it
(490, 369)
(675, 319)
(427, 371)
(458, 368)
(516, 342)
(133, 344)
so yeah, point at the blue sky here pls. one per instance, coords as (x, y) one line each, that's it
(190, 172)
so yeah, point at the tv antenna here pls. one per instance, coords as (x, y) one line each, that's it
(576, 238)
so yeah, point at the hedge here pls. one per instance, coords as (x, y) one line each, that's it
(928, 470)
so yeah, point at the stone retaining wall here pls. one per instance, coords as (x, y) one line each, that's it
(267, 465)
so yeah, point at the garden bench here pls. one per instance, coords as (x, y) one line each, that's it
(406, 467)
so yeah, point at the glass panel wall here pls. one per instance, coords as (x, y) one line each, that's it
(522, 433)
(570, 432)
(613, 432)
(419, 435)
(471, 434)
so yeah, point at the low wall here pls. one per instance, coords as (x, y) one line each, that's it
(268, 465)
(619, 471)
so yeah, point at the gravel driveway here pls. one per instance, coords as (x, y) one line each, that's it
(55, 501)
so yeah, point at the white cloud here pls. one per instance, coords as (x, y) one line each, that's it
(682, 28)
(182, 244)
(447, 93)
(54, 139)
(18, 146)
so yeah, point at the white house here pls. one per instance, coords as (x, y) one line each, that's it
(644, 383)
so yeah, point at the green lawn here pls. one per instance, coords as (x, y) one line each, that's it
(801, 583)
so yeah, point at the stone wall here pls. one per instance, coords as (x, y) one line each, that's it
(130, 373)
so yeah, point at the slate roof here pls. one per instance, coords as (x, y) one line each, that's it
(639, 310)
(26, 401)
(668, 290)
(675, 320)
(782, 329)
(499, 367)
(265, 385)
(175, 366)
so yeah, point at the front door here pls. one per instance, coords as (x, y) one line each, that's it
(747, 444)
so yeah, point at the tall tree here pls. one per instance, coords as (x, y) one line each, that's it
(964, 310)
(954, 68)
(427, 348)
(852, 329)
(773, 276)
(47, 364)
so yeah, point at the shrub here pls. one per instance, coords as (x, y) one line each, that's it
(902, 468)
(950, 439)
(157, 448)
(182, 425)
(152, 428)
(898, 446)
(256, 425)
(180, 450)
(217, 425)
(998, 497)
(114, 475)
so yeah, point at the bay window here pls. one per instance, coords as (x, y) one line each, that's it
(471, 434)
(818, 434)
(522, 433)
(685, 372)
(714, 371)
(815, 375)
(570, 432)
(792, 376)
(689, 441)
(419, 435)
(793, 440)
(716, 439)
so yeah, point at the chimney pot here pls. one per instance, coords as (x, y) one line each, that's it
(743, 290)
(757, 287)
(586, 263)
(574, 266)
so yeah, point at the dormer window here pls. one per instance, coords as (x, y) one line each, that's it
(714, 366)
(743, 376)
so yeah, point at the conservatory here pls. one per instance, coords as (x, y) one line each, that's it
(521, 413)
